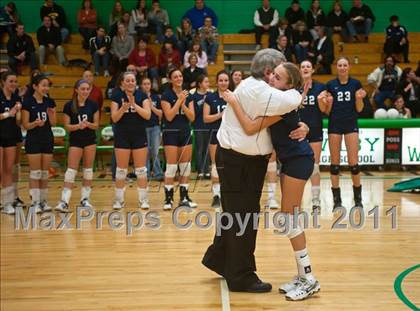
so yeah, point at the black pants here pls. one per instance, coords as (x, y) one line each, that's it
(241, 182)
(259, 32)
(393, 46)
(202, 140)
(30, 59)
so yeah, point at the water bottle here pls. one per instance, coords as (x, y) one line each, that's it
(356, 60)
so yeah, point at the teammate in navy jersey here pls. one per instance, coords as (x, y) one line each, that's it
(130, 110)
(311, 114)
(178, 113)
(10, 107)
(38, 115)
(81, 119)
(344, 100)
(297, 161)
(201, 131)
(153, 132)
(214, 107)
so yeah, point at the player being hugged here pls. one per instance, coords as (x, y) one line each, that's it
(311, 114)
(130, 109)
(177, 142)
(38, 115)
(343, 100)
(81, 119)
(10, 107)
(214, 107)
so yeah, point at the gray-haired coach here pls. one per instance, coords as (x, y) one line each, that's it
(241, 161)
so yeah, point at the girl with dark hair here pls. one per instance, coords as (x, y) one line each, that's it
(409, 88)
(81, 119)
(87, 20)
(201, 55)
(185, 35)
(399, 105)
(115, 17)
(139, 17)
(236, 77)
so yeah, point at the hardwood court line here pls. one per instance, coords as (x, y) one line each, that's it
(224, 293)
(398, 289)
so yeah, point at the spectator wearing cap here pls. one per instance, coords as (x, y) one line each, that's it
(265, 20)
(361, 20)
(294, 13)
(396, 39)
(209, 38)
(158, 19)
(58, 17)
(198, 14)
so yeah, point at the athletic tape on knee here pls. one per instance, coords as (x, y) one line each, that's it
(88, 173)
(35, 174)
(334, 169)
(185, 169)
(272, 167)
(171, 170)
(121, 173)
(141, 172)
(355, 169)
(70, 175)
(214, 171)
(44, 174)
(316, 170)
(294, 229)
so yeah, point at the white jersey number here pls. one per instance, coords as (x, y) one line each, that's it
(344, 96)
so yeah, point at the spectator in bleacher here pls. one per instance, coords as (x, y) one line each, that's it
(385, 81)
(209, 37)
(284, 47)
(145, 61)
(115, 17)
(337, 20)
(294, 13)
(86, 18)
(323, 52)
(95, 92)
(185, 35)
(8, 18)
(399, 105)
(170, 36)
(121, 47)
(128, 23)
(265, 20)
(199, 13)
(361, 20)
(158, 19)
(236, 77)
(409, 88)
(302, 41)
(139, 18)
(396, 39)
(315, 18)
(192, 72)
(20, 49)
(100, 46)
(169, 56)
(282, 29)
(58, 17)
(201, 56)
(49, 40)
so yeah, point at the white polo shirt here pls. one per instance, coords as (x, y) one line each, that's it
(254, 96)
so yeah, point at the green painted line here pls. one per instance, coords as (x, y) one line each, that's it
(397, 287)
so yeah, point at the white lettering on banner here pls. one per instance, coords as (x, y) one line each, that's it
(371, 148)
(410, 151)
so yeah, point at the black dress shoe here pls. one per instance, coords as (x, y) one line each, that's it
(257, 287)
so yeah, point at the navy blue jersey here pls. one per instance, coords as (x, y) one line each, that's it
(131, 120)
(180, 121)
(343, 108)
(83, 113)
(39, 111)
(198, 100)
(217, 105)
(284, 146)
(8, 127)
(310, 113)
(154, 119)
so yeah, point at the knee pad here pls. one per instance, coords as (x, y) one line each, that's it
(141, 172)
(355, 169)
(121, 173)
(88, 173)
(185, 169)
(214, 171)
(272, 167)
(35, 174)
(44, 174)
(334, 169)
(70, 175)
(171, 170)
(316, 170)
(294, 229)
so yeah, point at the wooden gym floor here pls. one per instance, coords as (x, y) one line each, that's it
(91, 269)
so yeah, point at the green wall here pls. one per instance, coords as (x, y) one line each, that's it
(233, 14)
